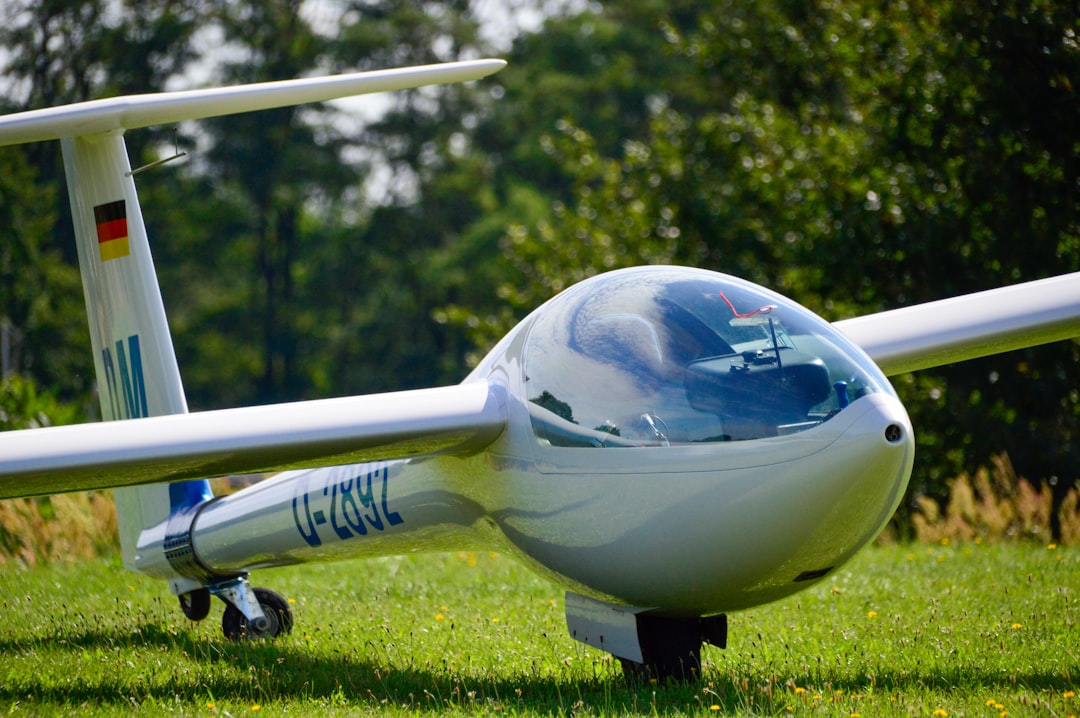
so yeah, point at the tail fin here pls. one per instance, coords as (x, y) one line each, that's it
(135, 365)
(136, 368)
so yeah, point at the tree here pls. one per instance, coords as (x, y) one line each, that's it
(57, 53)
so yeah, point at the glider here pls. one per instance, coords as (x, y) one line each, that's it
(667, 444)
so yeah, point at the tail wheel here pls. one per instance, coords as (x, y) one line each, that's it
(278, 619)
(195, 604)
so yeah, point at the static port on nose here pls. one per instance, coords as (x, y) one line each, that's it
(893, 433)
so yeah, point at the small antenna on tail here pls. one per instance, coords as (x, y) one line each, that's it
(157, 163)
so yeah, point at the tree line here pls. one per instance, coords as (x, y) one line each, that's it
(856, 156)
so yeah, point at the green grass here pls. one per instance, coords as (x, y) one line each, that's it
(976, 630)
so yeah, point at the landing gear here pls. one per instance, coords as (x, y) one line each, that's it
(670, 650)
(649, 647)
(250, 613)
(195, 604)
(276, 620)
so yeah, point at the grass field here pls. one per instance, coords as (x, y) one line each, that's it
(927, 630)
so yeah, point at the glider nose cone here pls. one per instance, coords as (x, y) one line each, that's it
(775, 527)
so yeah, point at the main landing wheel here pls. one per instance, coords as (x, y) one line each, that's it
(671, 648)
(278, 621)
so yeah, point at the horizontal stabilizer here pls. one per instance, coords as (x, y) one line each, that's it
(457, 420)
(969, 326)
(132, 111)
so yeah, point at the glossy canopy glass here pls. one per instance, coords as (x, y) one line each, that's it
(661, 356)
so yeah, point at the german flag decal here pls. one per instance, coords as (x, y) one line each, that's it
(112, 230)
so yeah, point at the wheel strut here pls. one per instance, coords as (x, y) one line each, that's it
(252, 612)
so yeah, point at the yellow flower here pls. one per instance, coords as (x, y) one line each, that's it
(1069, 694)
(256, 707)
(871, 614)
(1051, 547)
(799, 691)
(714, 707)
(941, 712)
(991, 702)
(1017, 626)
(292, 600)
(495, 620)
(438, 617)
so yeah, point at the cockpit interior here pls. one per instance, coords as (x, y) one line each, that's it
(675, 356)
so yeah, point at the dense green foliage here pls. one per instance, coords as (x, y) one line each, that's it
(854, 155)
(975, 630)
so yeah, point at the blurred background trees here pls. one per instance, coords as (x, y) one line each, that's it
(855, 156)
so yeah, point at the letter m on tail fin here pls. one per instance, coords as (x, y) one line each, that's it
(125, 380)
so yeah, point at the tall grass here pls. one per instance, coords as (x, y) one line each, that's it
(936, 629)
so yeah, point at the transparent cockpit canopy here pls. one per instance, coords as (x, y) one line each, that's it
(658, 356)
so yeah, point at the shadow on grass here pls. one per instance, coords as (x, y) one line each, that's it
(189, 668)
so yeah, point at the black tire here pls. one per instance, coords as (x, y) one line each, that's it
(679, 668)
(279, 618)
(671, 649)
(195, 604)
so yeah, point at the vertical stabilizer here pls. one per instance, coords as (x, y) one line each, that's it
(135, 365)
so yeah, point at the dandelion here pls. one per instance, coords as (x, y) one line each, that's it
(991, 702)
(291, 600)
(714, 707)
(941, 712)
(495, 620)
(438, 617)
(210, 705)
(1017, 626)
(871, 614)
(256, 707)
(1051, 547)
(1069, 694)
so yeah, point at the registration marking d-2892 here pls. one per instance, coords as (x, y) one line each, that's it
(346, 505)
